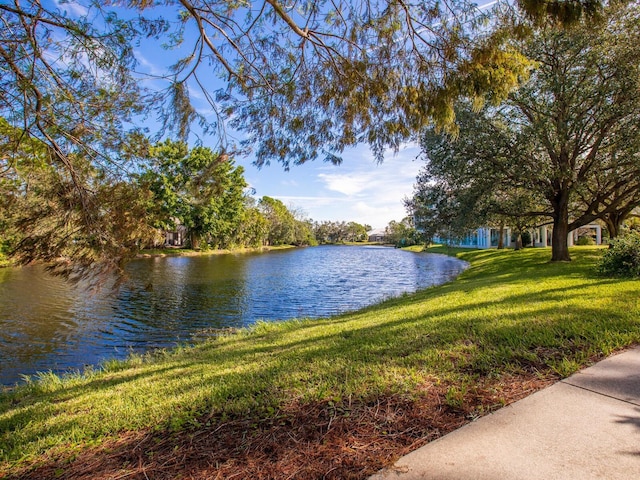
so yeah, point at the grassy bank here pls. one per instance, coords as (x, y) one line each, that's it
(188, 252)
(336, 397)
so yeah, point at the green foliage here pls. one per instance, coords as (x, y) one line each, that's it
(303, 233)
(304, 83)
(46, 218)
(567, 12)
(585, 240)
(254, 228)
(196, 188)
(285, 226)
(623, 257)
(327, 232)
(632, 224)
(281, 222)
(402, 234)
(558, 147)
(67, 91)
(205, 193)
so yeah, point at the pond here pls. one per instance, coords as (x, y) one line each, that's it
(46, 324)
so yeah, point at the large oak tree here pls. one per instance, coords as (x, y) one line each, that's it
(568, 136)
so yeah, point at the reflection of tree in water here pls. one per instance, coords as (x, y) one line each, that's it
(176, 299)
(186, 295)
(37, 320)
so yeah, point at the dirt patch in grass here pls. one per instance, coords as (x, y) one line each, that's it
(349, 440)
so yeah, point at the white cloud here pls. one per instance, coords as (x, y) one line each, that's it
(359, 190)
(148, 66)
(72, 8)
(349, 184)
(373, 193)
(321, 200)
(487, 5)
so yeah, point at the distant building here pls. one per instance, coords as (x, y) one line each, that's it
(487, 237)
(377, 235)
(177, 236)
(484, 237)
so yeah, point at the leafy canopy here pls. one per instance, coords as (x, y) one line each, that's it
(300, 80)
(563, 146)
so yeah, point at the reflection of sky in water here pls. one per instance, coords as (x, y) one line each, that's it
(46, 324)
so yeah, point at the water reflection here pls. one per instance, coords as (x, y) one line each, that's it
(46, 324)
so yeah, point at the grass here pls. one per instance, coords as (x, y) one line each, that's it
(511, 314)
(174, 252)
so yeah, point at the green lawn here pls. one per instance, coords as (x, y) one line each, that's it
(510, 312)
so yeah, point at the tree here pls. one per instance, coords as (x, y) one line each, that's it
(328, 232)
(303, 79)
(345, 71)
(357, 232)
(580, 104)
(323, 231)
(197, 188)
(66, 90)
(619, 178)
(303, 227)
(445, 207)
(463, 185)
(402, 233)
(281, 223)
(253, 227)
(567, 136)
(285, 226)
(306, 79)
(43, 215)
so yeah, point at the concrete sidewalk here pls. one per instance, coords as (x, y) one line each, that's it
(584, 427)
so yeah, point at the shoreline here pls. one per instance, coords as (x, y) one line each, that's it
(180, 252)
(300, 395)
(175, 252)
(183, 252)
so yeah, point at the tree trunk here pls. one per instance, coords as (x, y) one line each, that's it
(614, 222)
(500, 237)
(518, 240)
(559, 238)
(195, 240)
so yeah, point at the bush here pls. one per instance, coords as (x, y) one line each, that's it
(623, 257)
(585, 240)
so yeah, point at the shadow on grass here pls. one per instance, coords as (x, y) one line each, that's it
(458, 334)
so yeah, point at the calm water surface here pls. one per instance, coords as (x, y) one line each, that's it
(46, 324)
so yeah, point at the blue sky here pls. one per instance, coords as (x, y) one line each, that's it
(359, 190)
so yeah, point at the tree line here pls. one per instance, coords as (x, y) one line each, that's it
(196, 190)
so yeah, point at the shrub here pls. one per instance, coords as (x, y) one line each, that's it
(623, 257)
(585, 240)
